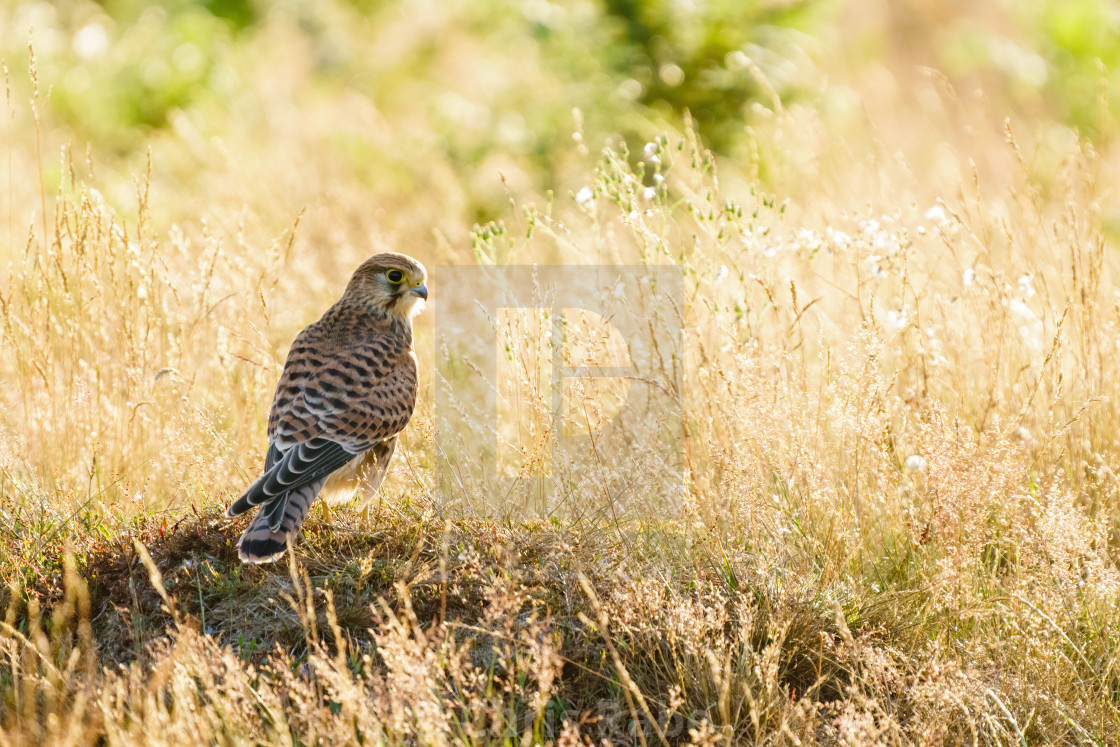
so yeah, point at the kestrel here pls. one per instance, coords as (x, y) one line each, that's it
(348, 388)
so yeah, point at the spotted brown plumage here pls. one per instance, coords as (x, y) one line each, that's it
(348, 388)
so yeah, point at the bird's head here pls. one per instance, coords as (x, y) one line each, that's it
(394, 283)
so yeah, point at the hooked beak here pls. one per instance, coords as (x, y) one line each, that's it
(422, 291)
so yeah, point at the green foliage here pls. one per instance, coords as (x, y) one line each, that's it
(630, 68)
(1079, 41)
(121, 80)
(1063, 59)
(239, 14)
(713, 59)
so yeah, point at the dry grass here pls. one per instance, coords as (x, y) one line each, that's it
(874, 501)
(459, 632)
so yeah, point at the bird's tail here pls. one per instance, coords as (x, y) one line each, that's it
(266, 537)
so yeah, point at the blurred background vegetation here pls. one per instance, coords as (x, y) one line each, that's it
(428, 125)
(444, 96)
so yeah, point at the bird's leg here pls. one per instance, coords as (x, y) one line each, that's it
(327, 517)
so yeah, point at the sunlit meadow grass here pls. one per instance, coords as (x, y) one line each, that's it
(886, 513)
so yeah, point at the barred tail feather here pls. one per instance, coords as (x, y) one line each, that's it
(262, 543)
(240, 506)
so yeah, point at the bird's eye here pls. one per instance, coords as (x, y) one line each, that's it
(395, 276)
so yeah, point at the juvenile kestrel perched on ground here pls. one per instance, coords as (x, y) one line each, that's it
(347, 390)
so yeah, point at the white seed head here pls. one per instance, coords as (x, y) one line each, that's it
(937, 214)
(915, 463)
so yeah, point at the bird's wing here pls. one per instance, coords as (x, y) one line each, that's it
(302, 464)
(357, 396)
(326, 386)
(271, 457)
